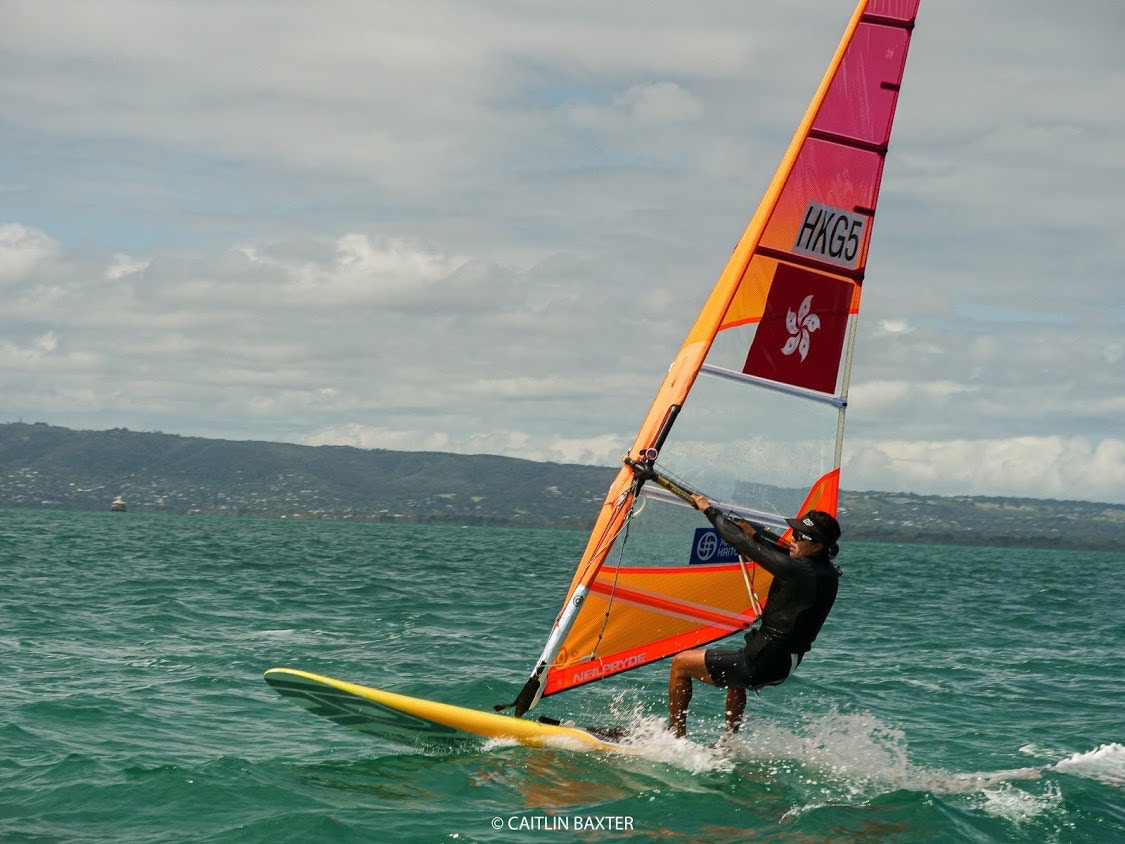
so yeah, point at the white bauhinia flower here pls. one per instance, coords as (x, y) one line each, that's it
(800, 325)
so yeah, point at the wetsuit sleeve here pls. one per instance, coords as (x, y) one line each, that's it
(766, 555)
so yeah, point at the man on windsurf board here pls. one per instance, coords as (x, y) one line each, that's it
(801, 595)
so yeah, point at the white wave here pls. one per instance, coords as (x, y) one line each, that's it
(649, 738)
(851, 759)
(1018, 806)
(499, 744)
(1106, 764)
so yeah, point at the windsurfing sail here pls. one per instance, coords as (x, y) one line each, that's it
(751, 411)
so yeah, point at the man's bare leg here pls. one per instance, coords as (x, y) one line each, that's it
(686, 667)
(736, 705)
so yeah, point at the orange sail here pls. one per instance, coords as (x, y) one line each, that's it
(767, 366)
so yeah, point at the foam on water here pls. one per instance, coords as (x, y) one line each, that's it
(854, 758)
(1016, 805)
(1105, 764)
(851, 758)
(649, 738)
(838, 759)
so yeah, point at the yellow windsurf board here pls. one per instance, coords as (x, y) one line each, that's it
(420, 722)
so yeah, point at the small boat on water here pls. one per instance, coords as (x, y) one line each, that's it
(118, 505)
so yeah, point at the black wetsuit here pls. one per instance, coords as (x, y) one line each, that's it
(800, 598)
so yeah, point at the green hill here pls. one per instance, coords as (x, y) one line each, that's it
(50, 467)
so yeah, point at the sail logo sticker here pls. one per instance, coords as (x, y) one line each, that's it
(602, 669)
(830, 234)
(800, 326)
(708, 548)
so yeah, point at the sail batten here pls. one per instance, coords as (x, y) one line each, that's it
(776, 337)
(767, 384)
(846, 141)
(813, 264)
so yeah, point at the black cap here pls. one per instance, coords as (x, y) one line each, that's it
(819, 525)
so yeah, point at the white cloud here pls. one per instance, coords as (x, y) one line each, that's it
(46, 342)
(124, 265)
(895, 326)
(1030, 467)
(22, 250)
(31, 357)
(387, 272)
(660, 102)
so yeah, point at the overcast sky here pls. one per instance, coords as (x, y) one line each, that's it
(486, 225)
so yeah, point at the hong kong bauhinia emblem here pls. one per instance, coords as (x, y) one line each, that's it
(801, 325)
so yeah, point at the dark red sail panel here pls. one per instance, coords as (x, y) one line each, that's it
(801, 336)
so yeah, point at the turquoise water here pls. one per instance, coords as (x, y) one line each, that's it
(955, 695)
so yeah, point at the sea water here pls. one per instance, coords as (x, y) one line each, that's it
(956, 694)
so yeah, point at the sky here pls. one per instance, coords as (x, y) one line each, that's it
(485, 226)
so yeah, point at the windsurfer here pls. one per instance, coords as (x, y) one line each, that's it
(804, 588)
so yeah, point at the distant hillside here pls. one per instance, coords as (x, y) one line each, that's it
(44, 466)
(49, 467)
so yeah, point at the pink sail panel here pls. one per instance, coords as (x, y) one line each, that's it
(902, 11)
(861, 102)
(816, 239)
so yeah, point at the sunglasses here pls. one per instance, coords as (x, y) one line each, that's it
(802, 537)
